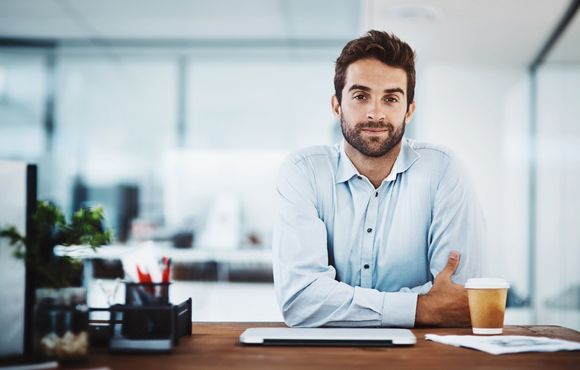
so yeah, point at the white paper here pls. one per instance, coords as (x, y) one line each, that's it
(146, 258)
(501, 344)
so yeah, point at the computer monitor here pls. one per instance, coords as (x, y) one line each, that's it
(17, 203)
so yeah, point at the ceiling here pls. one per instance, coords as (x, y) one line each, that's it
(470, 31)
(180, 19)
(506, 32)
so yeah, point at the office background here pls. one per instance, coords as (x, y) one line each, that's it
(175, 115)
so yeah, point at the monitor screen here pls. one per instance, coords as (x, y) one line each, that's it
(17, 200)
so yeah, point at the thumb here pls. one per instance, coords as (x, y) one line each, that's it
(452, 263)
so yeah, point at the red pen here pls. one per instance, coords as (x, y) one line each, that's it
(166, 269)
(145, 278)
(140, 275)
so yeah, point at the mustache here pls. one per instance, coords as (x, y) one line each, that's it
(375, 125)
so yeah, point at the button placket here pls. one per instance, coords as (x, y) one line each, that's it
(368, 244)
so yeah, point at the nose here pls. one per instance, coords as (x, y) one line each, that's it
(375, 112)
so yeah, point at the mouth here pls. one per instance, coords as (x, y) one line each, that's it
(374, 130)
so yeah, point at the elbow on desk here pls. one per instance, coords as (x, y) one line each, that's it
(299, 306)
(296, 320)
(293, 317)
(298, 313)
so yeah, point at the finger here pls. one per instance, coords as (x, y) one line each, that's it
(452, 263)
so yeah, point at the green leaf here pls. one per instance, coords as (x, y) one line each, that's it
(85, 228)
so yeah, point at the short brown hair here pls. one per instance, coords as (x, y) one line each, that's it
(385, 47)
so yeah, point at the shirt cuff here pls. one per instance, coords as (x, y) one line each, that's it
(399, 309)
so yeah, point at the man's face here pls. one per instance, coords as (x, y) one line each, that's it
(373, 112)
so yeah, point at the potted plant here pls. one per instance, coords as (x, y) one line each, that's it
(60, 317)
(50, 228)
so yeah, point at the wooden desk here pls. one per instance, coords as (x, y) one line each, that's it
(216, 346)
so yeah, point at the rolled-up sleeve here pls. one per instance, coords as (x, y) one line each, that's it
(306, 287)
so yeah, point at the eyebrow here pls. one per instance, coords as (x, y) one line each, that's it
(368, 89)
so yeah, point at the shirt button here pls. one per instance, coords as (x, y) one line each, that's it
(358, 177)
(366, 266)
(369, 230)
(376, 193)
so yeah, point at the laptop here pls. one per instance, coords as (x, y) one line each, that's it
(328, 337)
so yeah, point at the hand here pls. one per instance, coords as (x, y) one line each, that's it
(446, 303)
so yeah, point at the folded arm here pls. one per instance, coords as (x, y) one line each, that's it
(306, 286)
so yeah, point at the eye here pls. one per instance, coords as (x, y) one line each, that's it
(391, 99)
(360, 97)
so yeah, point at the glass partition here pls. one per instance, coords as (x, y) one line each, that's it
(22, 98)
(557, 231)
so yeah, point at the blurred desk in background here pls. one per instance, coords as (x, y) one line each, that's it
(216, 346)
(226, 285)
(259, 260)
(232, 285)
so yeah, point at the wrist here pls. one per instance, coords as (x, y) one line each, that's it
(425, 313)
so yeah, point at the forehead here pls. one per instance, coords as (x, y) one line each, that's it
(375, 74)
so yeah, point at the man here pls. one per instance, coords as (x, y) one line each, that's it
(379, 230)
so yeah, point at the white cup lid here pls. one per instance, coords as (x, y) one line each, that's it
(486, 283)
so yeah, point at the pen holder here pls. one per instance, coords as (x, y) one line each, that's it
(148, 329)
(141, 329)
(147, 322)
(146, 294)
(148, 314)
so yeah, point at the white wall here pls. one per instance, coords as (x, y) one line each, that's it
(259, 102)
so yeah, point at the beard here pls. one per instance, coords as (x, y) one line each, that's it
(374, 146)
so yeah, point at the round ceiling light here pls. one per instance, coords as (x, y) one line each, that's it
(414, 13)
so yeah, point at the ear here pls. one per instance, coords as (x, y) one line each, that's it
(410, 112)
(336, 109)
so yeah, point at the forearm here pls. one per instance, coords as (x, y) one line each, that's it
(326, 302)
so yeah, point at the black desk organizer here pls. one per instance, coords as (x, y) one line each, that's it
(147, 322)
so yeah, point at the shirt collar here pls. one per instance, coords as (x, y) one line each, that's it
(407, 156)
(346, 170)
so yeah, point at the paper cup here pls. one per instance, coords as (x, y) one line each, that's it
(487, 299)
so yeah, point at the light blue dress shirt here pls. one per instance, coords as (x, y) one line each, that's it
(347, 254)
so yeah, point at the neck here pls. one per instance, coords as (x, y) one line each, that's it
(376, 169)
